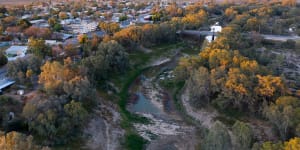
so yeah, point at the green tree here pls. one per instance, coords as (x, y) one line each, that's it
(3, 59)
(23, 24)
(284, 114)
(243, 135)
(217, 138)
(199, 86)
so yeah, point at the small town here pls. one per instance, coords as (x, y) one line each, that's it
(149, 75)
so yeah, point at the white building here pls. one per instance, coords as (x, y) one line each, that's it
(215, 29)
(15, 52)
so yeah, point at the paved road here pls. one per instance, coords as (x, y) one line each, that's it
(266, 36)
(280, 37)
(195, 32)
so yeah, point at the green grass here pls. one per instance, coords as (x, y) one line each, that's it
(191, 51)
(132, 140)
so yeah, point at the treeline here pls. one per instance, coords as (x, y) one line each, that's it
(67, 90)
(147, 35)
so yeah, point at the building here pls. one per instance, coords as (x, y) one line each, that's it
(41, 23)
(214, 29)
(15, 52)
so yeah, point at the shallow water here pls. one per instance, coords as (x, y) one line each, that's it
(143, 105)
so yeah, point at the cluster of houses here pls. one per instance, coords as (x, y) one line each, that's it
(74, 26)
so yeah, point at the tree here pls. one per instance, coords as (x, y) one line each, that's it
(172, 9)
(253, 24)
(63, 15)
(109, 28)
(75, 111)
(36, 32)
(110, 58)
(195, 20)
(3, 59)
(292, 144)
(18, 141)
(82, 39)
(272, 146)
(237, 88)
(230, 13)
(217, 138)
(23, 24)
(115, 56)
(269, 86)
(129, 37)
(57, 27)
(199, 85)
(284, 114)
(52, 21)
(289, 2)
(38, 47)
(243, 135)
(52, 76)
(17, 69)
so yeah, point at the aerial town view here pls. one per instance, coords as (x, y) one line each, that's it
(149, 75)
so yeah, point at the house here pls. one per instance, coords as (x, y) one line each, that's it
(15, 52)
(214, 29)
(4, 83)
(41, 23)
(52, 42)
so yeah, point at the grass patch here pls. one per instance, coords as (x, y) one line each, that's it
(191, 51)
(134, 142)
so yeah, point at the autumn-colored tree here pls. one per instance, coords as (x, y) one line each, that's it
(253, 24)
(51, 76)
(292, 144)
(23, 24)
(230, 13)
(10, 20)
(13, 30)
(63, 15)
(172, 10)
(37, 32)
(237, 87)
(109, 28)
(82, 39)
(129, 37)
(289, 2)
(52, 21)
(269, 86)
(195, 20)
(18, 141)
(38, 47)
(70, 50)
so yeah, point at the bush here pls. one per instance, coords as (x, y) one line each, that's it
(3, 60)
(290, 44)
